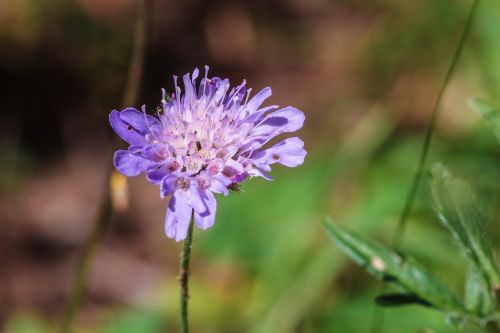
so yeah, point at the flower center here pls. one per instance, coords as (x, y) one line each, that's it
(182, 183)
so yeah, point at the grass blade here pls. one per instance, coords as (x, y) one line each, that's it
(479, 298)
(460, 212)
(385, 264)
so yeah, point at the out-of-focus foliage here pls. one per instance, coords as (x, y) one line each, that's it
(460, 212)
(419, 285)
(490, 115)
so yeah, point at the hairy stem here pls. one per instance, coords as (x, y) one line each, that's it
(105, 207)
(184, 279)
(410, 198)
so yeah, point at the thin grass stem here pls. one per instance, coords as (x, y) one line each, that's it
(397, 240)
(105, 209)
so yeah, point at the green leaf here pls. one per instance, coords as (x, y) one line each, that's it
(489, 113)
(399, 299)
(479, 297)
(457, 320)
(386, 264)
(460, 212)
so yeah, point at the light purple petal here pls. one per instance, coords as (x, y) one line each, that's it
(256, 101)
(288, 119)
(256, 172)
(236, 96)
(167, 185)
(189, 89)
(205, 219)
(156, 176)
(155, 152)
(131, 164)
(257, 115)
(262, 165)
(208, 86)
(125, 130)
(138, 120)
(196, 72)
(164, 168)
(235, 165)
(219, 184)
(135, 149)
(178, 217)
(251, 144)
(195, 199)
(289, 152)
(222, 88)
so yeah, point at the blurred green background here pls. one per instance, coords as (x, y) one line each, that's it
(365, 73)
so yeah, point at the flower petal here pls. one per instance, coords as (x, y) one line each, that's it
(124, 131)
(178, 217)
(288, 119)
(289, 152)
(131, 164)
(256, 172)
(219, 184)
(195, 199)
(155, 152)
(189, 89)
(132, 125)
(257, 115)
(139, 120)
(206, 218)
(236, 96)
(221, 90)
(167, 185)
(256, 101)
(156, 176)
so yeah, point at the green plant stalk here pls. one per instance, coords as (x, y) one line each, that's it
(436, 112)
(135, 69)
(105, 209)
(184, 278)
(377, 322)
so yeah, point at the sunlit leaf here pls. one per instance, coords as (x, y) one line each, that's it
(479, 297)
(386, 264)
(456, 319)
(489, 113)
(460, 212)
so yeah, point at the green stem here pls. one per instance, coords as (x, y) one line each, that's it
(105, 209)
(184, 278)
(410, 198)
(436, 112)
(135, 69)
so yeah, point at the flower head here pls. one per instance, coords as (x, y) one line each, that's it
(205, 140)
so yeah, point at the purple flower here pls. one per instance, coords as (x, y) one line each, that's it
(205, 141)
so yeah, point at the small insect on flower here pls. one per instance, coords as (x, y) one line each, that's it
(206, 140)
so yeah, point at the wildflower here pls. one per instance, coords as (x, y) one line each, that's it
(206, 140)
